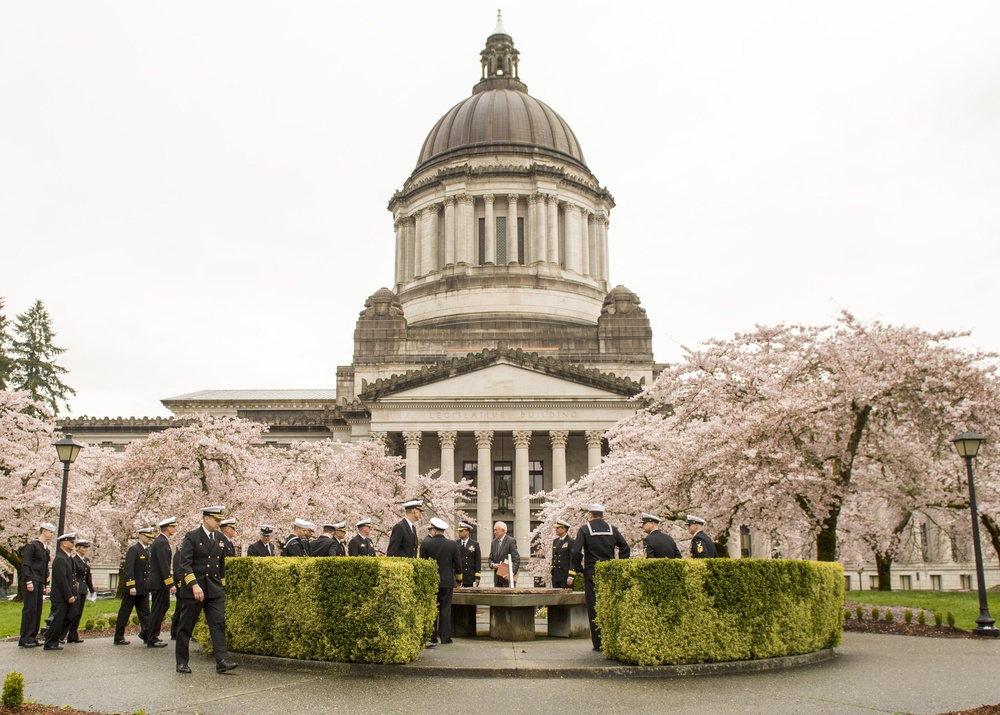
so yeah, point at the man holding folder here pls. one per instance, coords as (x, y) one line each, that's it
(503, 557)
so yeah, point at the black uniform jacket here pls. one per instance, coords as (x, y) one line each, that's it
(259, 548)
(159, 577)
(596, 541)
(227, 544)
(562, 549)
(360, 546)
(82, 575)
(136, 561)
(177, 569)
(336, 548)
(296, 547)
(320, 546)
(445, 552)
(402, 540)
(202, 560)
(702, 547)
(35, 562)
(661, 546)
(63, 586)
(472, 558)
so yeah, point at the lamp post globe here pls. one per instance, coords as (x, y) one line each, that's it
(68, 449)
(967, 444)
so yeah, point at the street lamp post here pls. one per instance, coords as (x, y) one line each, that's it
(67, 449)
(968, 444)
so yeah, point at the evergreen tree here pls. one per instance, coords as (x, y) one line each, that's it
(6, 362)
(35, 370)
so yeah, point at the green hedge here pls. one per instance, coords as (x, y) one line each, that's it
(345, 609)
(672, 611)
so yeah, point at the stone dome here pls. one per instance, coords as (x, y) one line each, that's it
(500, 116)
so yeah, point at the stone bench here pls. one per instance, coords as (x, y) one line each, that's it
(512, 612)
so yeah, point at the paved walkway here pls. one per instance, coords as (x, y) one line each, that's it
(870, 673)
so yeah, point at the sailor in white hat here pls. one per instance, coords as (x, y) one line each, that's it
(445, 552)
(361, 544)
(228, 529)
(403, 537)
(472, 557)
(562, 568)
(659, 545)
(596, 541)
(160, 580)
(702, 547)
(83, 584)
(35, 574)
(298, 543)
(263, 546)
(62, 590)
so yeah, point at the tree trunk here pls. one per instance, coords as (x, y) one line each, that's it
(883, 562)
(14, 558)
(826, 539)
(993, 528)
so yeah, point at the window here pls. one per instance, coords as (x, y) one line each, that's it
(113, 581)
(503, 485)
(501, 240)
(482, 241)
(873, 583)
(520, 241)
(936, 583)
(905, 583)
(966, 582)
(470, 471)
(746, 544)
(536, 477)
(847, 582)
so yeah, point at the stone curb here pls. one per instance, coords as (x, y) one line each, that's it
(615, 670)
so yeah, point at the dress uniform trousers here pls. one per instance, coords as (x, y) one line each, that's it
(215, 614)
(31, 616)
(140, 602)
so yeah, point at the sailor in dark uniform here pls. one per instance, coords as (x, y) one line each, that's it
(35, 576)
(361, 544)
(337, 547)
(84, 585)
(320, 546)
(160, 581)
(403, 537)
(298, 543)
(562, 546)
(263, 546)
(228, 530)
(175, 621)
(62, 590)
(445, 552)
(658, 544)
(472, 557)
(202, 572)
(702, 547)
(596, 541)
(135, 594)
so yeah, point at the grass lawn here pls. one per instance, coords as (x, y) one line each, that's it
(10, 614)
(964, 604)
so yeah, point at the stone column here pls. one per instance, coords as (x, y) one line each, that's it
(602, 245)
(594, 268)
(409, 233)
(512, 256)
(412, 457)
(463, 229)
(531, 241)
(430, 239)
(574, 238)
(449, 230)
(489, 251)
(379, 437)
(484, 471)
(558, 439)
(593, 438)
(522, 507)
(418, 243)
(400, 251)
(552, 230)
(447, 441)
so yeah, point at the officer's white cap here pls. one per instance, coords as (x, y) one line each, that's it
(563, 523)
(82, 542)
(167, 522)
(695, 519)
(69, 536)
(649, 517)
(340, 526)
(363, 522)
(216, 511)
(437, 523)
(413, 504)
(147, 530)
(462, 526)
(266, 529)
(227, 522)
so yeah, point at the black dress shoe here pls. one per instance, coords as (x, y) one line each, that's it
(447, 642)
(183, 668)
(121, 642)
(53, 647)
(74, 640)
(156, 644)
(225, 665)
(29, 644)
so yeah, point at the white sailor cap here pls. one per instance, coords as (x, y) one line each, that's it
(216, 511)
(363, 522)
(438, 523)
(695, 520)
(340, 526)
(563, 523)
(146, 530)
(596, 508)
(267, 529)
(48, 526)
(413, 504)
(82, 542)
(649, 517)
(303, 524)
(170, 521)
(228, 522)
(462, 526)
(69, 536)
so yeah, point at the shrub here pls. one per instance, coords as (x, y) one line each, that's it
(364, 610)
(908, 615)
(103, 623)
(951, 619)
(938, 618)
(89, 625)
(113, 620)
(134, 620)
(13, 690)
(889, 617)
(922, 618)
(847, 614)
(859, 612)
(874, 614)
(658, 611)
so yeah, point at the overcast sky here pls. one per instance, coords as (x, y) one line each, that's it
(198, 191)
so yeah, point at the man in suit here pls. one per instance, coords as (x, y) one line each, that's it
(35, 576)
(596, 542)
(160, 581)
(84, 585)
(702, 547)
(320, 546)
(135, 594)
(403, 537)
(658, 544)
(562, 569)
(361, 544)
(62, 590)
(472, 557)
(445, 552)
(228, 530)
(298, 543)
(202, 573)
(502, 547)
(263, 546)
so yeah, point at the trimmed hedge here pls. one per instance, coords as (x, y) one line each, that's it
(345, 609)
(674, 611)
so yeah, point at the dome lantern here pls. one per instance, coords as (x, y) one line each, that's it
(499, 62)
